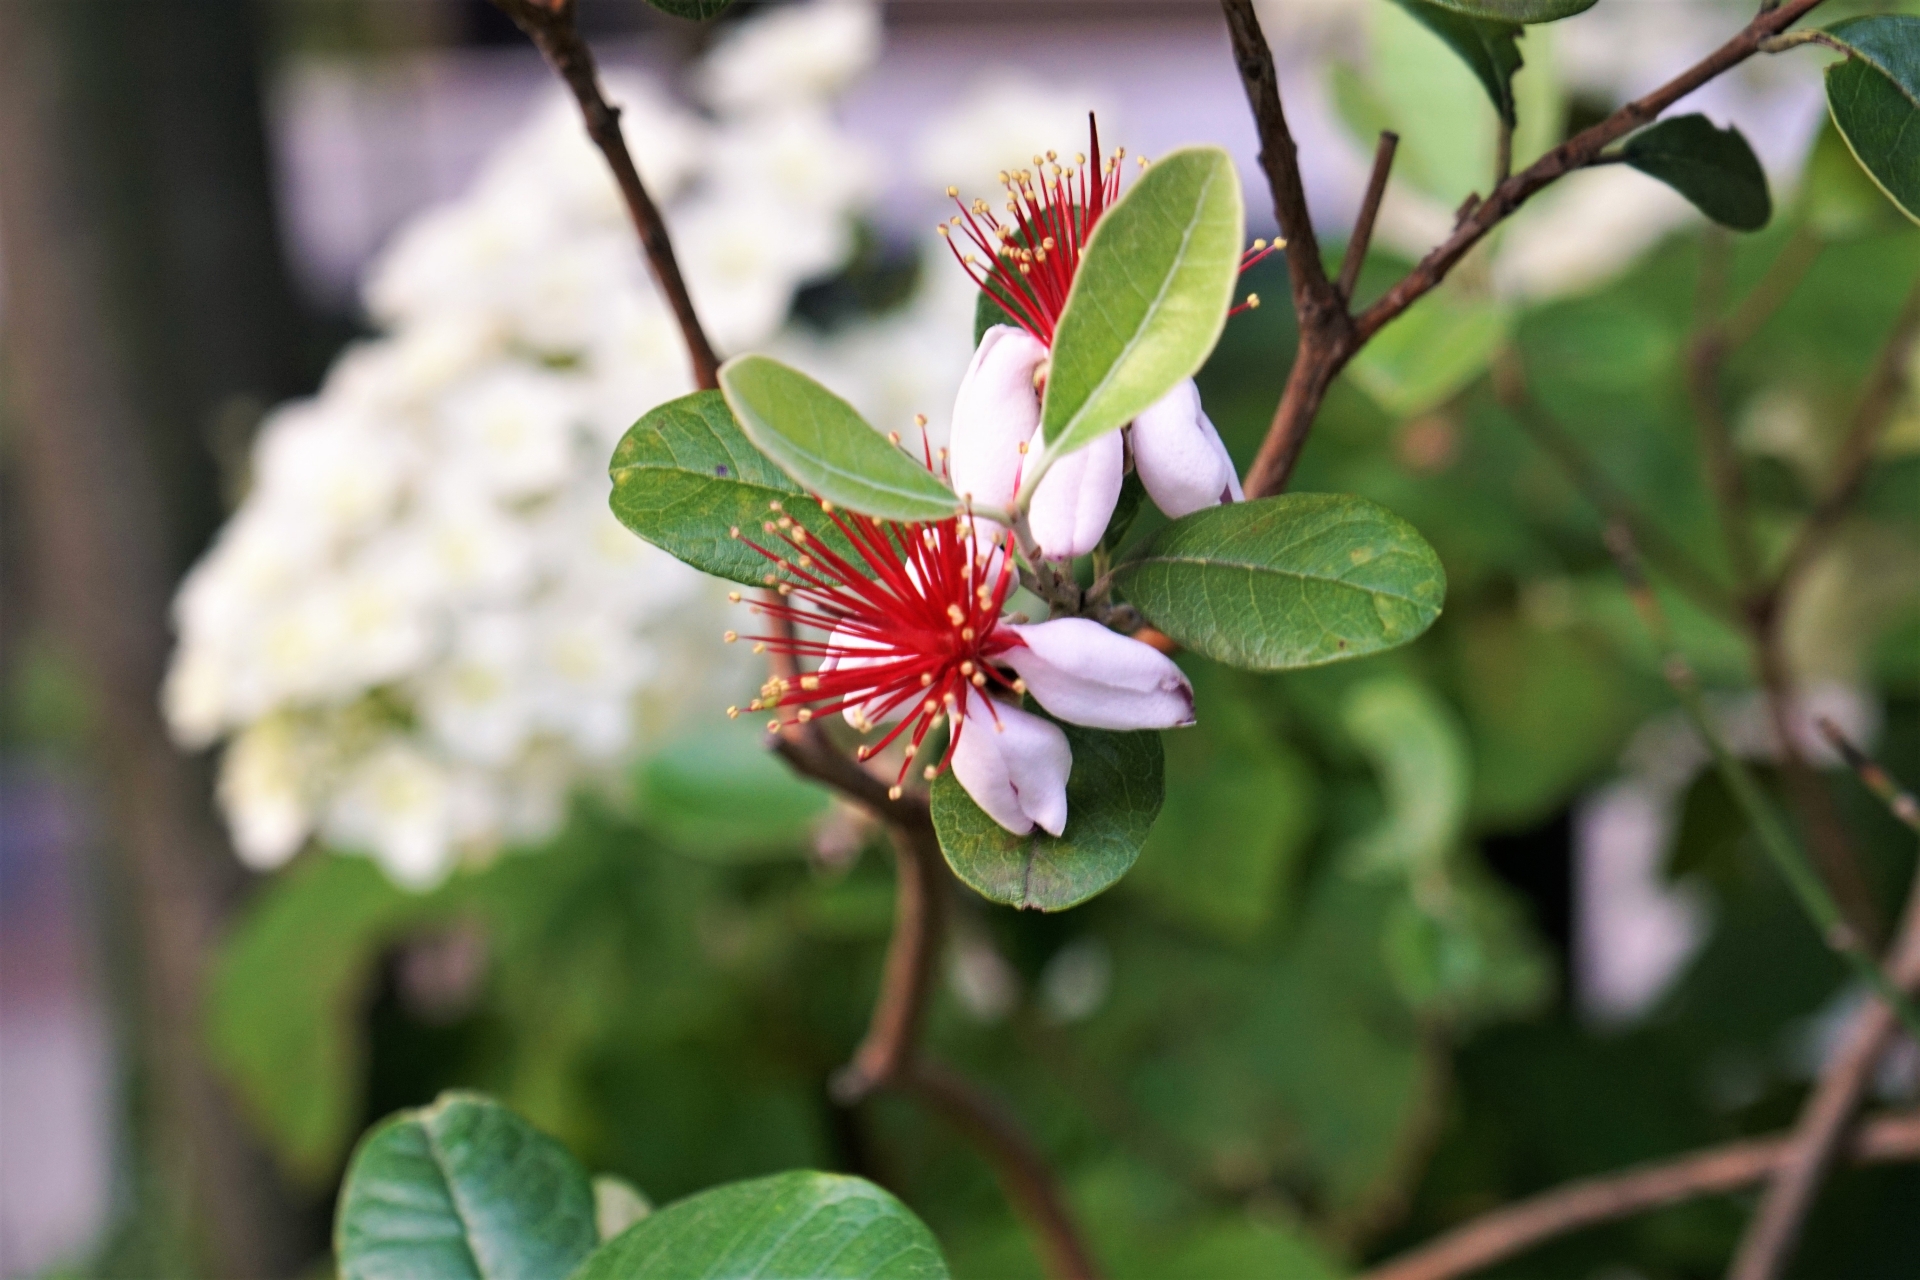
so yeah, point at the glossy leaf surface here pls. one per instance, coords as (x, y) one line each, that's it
(1113, 796)
(1489, 47)
(1714, 168)
(821, 1226)
(685, 476)
(820, 441)
(463, 1190)
(1525, 11)
(1286, 582)
(1874, 97)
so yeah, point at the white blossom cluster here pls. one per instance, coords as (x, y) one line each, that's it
(423, 628)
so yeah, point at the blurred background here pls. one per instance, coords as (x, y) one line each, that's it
(349, 750)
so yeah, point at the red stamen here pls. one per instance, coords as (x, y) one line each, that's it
(911, 620)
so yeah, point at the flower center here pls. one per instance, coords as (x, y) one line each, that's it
(910, 621)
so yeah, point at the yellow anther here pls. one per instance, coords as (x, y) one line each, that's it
(979, 680)
(769, 578)
(730, 636)
(799, 533)
(952, 192)
(930, 773)
(954, 615)
(760, 648)
(966, 633)
(733, 597)
(926, 678)
(773, 726)
(826, 506)
(734, 532)
(919, 419)
(1253, 302)
(806, 562)
(1023, 446)
(929, 705)
(809, 683)
(894, 793)
(733, 713)
(966, 668)
(893, 437)
(774, 505)
(1020, 687)
(940, 229)
(1258, 245)
(806, 714)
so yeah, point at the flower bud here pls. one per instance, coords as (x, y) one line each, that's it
(1014, 764)
(996, 411)
(1075, 499)
(1179, 456)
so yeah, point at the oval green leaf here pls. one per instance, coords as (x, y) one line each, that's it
(1288, 582)
(819, 1225)
(684, 477)
(1149, 299)
(1874, 98)
(463, 1190)
(1522, 11)
(1714, 168)
(820, 441)
(1113, 796)
(1490, 48)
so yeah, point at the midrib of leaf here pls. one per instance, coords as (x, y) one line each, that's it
(1298, 574)
(453, 1195)
(1159, 299)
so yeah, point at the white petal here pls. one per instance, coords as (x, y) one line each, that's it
(996, 411)
(861, 715)
(1016, 768)
(1081, 671)
(1179, 456)
(1075, 499)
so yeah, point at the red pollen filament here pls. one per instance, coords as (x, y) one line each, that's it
(1027, 262)
(911, 623)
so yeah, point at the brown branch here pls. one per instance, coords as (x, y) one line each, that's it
(1326, 339)
(549, 24)
(1827, 1118)
(888, 1056)
(1874, 776)
(1516, 1228)
(1329, 336)
(1024, 1176)
(889, 1051)
(1870, 417)
(1576, 152)
(1356, 254)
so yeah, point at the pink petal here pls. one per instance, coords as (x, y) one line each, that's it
(1179, 456)
(1075, 499)
(1016, 768)
(1083, 672)
(996, 411)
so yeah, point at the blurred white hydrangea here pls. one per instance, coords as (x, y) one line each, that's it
(423, 628)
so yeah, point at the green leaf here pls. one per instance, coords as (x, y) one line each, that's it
(684, 477)
(1874, 98)
(1432, 352)
(1526, 11)
(697, 10)
(284, 1005)
(1490, 48)
(721, 795)
(1286, 582)
(463, 1190)
(821, 1226)
(1149, 299)
(818, 439)
(1113, 795)
(1714, 168)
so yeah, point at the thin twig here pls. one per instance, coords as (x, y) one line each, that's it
(1826, 1120)
(1356, 255)
(889, 1054)
(906, 982)
(1024, 1176)
(549, 24)
(1328, 340)
(1775, 839)
(1891, 372)
(1575, 153)
(1515, 1228)
(1873, 775)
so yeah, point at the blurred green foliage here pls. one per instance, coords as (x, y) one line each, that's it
(1314, 1025)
